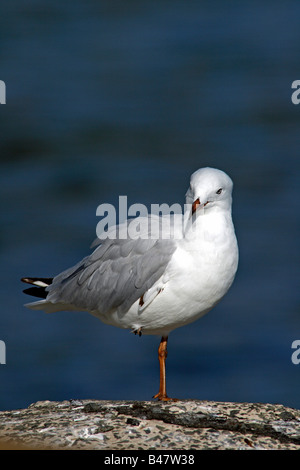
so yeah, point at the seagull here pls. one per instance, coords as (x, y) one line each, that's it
(157, 283)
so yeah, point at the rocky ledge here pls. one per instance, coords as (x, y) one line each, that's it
(136, 425)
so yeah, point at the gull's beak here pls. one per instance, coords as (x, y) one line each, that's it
(196, 204)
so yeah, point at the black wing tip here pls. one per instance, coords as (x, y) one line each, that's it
(40, 284)
(27, 280)
(34, 280)
(39, 292)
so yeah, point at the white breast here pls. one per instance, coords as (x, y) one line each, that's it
(199, 274)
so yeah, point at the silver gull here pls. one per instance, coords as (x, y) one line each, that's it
(153, 285)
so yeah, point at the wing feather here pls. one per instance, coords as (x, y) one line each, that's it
(114, 276)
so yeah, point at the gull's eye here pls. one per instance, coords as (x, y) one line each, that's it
(219, 191)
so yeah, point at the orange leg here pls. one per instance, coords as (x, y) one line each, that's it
(162, 355)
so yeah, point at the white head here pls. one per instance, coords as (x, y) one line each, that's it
(210, 189)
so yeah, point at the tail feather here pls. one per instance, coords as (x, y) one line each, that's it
(40, 284)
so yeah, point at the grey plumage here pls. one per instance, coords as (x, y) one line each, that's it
(114, 276)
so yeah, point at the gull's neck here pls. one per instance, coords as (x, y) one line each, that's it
(208, 224)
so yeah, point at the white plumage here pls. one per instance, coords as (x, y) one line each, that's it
(155, 285)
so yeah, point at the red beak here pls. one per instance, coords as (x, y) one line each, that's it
(197, 204)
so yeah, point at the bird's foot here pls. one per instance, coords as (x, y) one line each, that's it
(163, 397)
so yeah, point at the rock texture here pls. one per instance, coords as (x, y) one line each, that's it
(131, 425)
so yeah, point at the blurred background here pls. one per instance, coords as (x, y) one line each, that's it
(109, 98)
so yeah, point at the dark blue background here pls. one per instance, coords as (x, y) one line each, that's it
(106, 98)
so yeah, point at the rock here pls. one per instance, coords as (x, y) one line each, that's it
(142, 425)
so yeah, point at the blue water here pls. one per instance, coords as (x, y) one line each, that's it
(107, 99)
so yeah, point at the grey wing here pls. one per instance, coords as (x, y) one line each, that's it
(114, 276)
